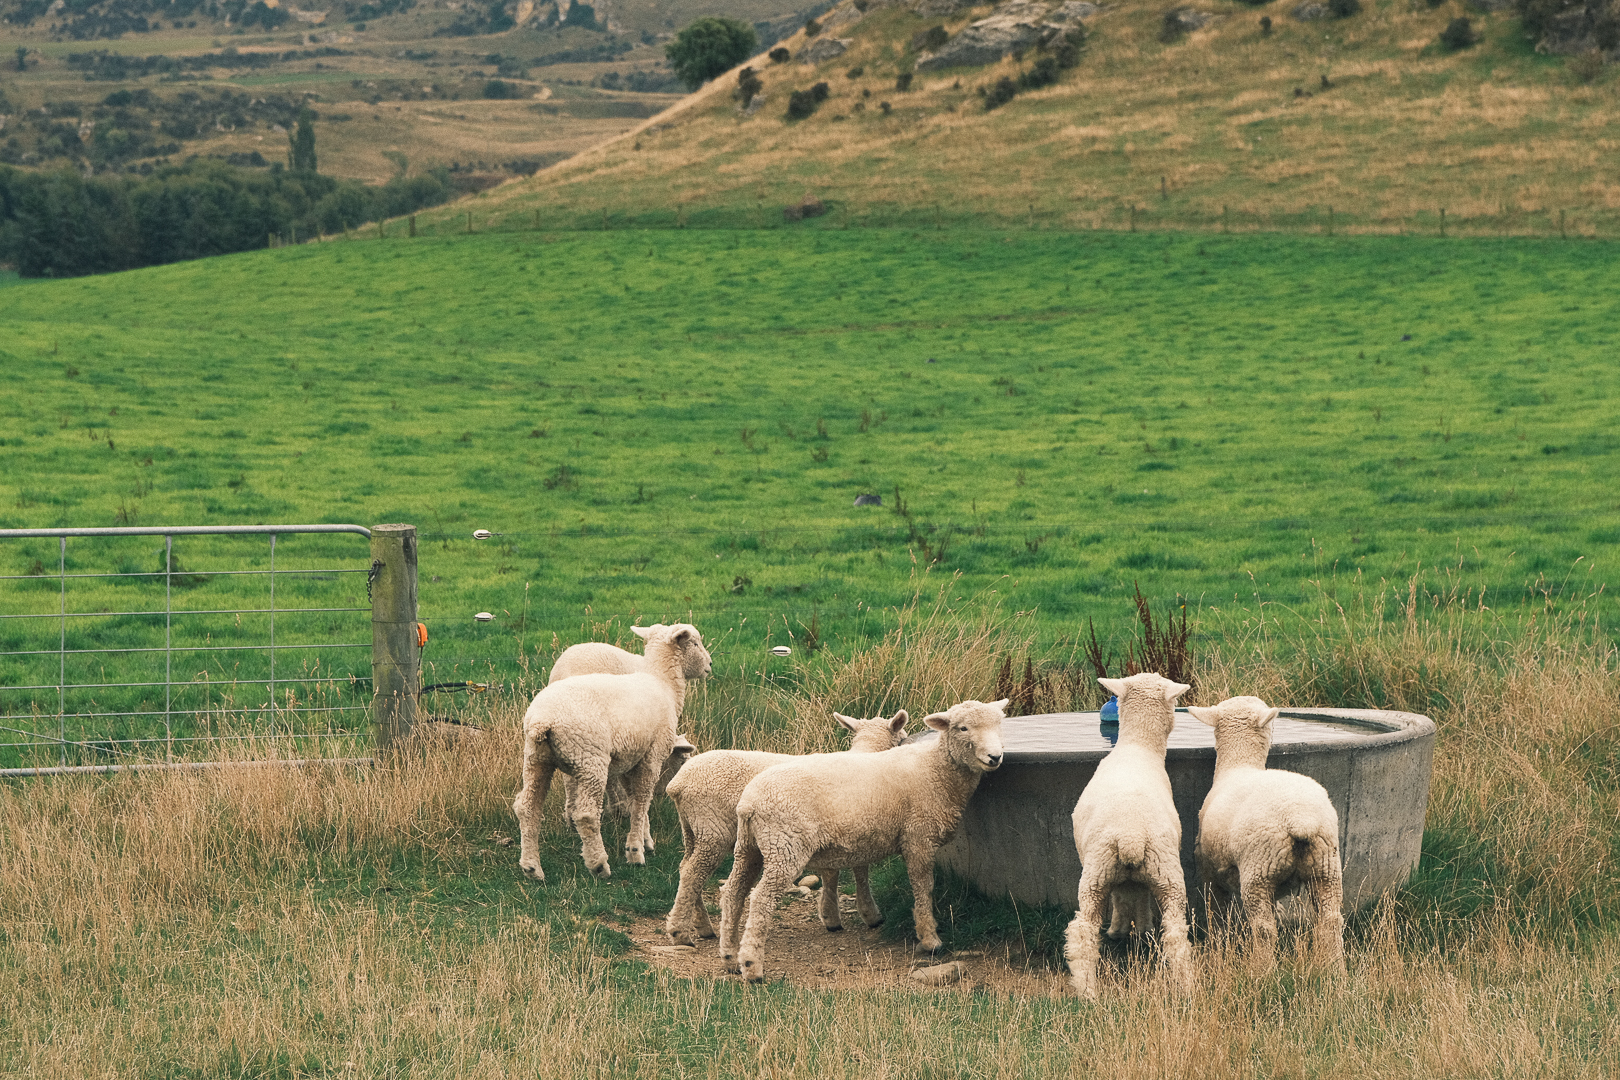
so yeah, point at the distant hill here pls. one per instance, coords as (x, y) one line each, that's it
(1377, 115)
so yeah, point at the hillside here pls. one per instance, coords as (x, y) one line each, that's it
(1365, 123)
(488, 90)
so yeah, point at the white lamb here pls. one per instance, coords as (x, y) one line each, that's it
(1128, 834)
(593, 727)
(831, 810)
(1265, 833)
(598, 657)
(705, 793)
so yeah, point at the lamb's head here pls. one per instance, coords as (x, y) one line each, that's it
(971, 733)
(695, 660)
(1240, 723)
(876, 733)
(1147, 699)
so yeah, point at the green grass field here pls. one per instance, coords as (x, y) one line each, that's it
(639, 416)
(674, 425)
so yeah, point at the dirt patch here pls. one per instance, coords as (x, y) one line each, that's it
(803, 953)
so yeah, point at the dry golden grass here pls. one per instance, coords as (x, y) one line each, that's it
(1187, 133)
(264, 921)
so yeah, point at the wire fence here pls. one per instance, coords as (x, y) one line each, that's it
(106, 662)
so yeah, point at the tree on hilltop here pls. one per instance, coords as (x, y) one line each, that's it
(301, 143)
(709, 47)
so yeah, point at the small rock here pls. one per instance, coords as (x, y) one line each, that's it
(1310, 11)
(810, 881)
(870, 500)
(823, 49)
(800, 891)
(940, 974)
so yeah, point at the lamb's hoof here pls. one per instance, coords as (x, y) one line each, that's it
(651, 847)
(873, 923)
(601, 870)
(729, 965)
(707, 932)
(932, 945)
(635, 858)
(834, 929)
(679, 937)
(753, 971)
(532, 870)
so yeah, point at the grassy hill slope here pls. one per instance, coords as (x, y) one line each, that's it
(1224, 124)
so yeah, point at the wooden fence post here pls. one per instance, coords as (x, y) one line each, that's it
(413, 225)
(396, 660)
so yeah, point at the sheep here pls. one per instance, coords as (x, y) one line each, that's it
(832, 810)
(590, 657)
(595, 726)
(1265, 833)
(1128, 835)
(705, 793)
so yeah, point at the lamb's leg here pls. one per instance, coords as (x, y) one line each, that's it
(1169, 890)
(537, 772)
(618, 800)
(1327, 894)
(639, 782)
(920, 869)
(775, 879)
(1260, 908)
(687, 919)
(746, 866)
(590, 787)
(863, 898)
(830, 918)
(1118, 921)
(1081, 939)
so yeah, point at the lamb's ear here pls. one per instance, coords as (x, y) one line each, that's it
(1271, 714)
(641, 631)
(683, 746)
(683, 636)
(1174, 690)
(898, 722)
(1203, 713)
(845, 722)
(1001, 705)
(1113, 686)
(938, 721)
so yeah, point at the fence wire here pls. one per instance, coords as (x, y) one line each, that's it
(219, 681)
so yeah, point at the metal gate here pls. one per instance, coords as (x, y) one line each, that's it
(121, 655)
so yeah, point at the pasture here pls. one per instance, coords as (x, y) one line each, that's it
(1380, 472)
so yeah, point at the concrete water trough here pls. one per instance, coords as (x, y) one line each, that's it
(1017, 838)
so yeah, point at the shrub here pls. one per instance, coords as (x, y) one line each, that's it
(1044, 73)
(1067, 49)
(1172, 27)
(1001, 93)
(1458, 34)
(812, 28)
(1343, 9)
(1265, 26)
(820, 92)
(902, 82)
(748, 84)
(930, 39)
(709, 47)
(855, 72)
(801, 103)
(779, 55)
(499, 90)
(1586, 66)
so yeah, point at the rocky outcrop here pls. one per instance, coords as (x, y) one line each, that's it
(1185, 21)
(1310, 11)
(1568, 27)
(929, 9)
(823, 49)
(1015, 28)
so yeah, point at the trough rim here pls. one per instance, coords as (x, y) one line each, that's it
(1388, 728)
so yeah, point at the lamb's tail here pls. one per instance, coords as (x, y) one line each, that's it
(1313, 852)
(1131, 851)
